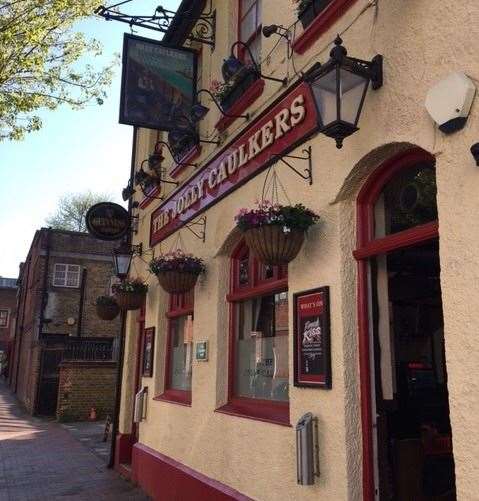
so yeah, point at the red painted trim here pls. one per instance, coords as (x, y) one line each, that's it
(262, 410)
(259, 410)
(175, 397)
(178, 168)
(406, 238)
(367, 246)
(123, 453)
(280, 285)
(147, 200)
(179, 305)
(244, 102)
(322, 22)
(165, 479)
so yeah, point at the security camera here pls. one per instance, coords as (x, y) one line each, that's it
(449, 102)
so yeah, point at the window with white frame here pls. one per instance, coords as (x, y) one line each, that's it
(4, 317)
(66, 275)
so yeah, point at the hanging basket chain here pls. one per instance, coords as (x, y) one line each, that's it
(271, 183)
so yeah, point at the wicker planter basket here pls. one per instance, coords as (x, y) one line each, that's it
(130, 300)
(177, 282)
(107, 311)
(272, 246)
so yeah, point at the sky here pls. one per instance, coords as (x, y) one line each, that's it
(75, 151)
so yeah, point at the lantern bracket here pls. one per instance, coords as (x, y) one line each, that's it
(204, 24)
(201, 233)
(308, 171)
(137, 250)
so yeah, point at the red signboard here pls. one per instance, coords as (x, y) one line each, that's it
(278, 130)
(312, 364)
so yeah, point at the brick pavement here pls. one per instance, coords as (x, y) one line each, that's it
(40, 460)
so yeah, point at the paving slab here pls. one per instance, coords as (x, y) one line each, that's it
(43, 460)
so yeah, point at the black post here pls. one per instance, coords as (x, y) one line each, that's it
(119, 375)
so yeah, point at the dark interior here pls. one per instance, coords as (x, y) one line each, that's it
(414, 433)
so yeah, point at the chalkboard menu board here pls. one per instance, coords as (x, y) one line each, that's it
(312, 361)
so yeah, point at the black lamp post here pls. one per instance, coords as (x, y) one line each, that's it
(339, 88)
(122, 260)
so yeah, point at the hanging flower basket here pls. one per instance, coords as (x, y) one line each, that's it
(176, 271)
(275, 233)
(107, 308)
(130, 294)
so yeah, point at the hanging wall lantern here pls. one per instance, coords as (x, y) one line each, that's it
(339, 88)
(122, 259)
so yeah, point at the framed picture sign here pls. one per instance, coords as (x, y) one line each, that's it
(312, 348)
(148, 351)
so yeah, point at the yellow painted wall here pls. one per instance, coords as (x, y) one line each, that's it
(422, 42)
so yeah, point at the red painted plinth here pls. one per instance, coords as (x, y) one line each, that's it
(165, 479)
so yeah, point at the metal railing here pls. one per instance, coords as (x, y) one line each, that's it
(91, 350)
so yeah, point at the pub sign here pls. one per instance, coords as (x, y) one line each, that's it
(107, 221)
(158, 83)
(312, 349)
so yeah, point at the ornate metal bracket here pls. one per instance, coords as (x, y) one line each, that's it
(308, 172)
(203, 31)
(201, 234)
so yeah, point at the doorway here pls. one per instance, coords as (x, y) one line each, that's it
(407, 438)
(414, 439)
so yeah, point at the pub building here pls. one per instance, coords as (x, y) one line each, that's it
(350, 371)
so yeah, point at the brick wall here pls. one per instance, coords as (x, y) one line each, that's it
(8, 301)
(84, 385)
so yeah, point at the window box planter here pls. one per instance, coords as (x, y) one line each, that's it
(309, 13)
(243, 82)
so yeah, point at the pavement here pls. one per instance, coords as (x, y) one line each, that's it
(43, 460)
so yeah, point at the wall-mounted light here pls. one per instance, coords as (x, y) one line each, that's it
(276, 29)
(127, 192)
(122, 257)
(233, 65)
(339, 88)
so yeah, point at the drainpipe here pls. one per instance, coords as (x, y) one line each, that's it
(45, 284)
(121, 351)
(82, 300)
(44, 301)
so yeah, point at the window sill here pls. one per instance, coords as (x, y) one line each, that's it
(280, 285)
(247, 99)
(258, 410)
(178, 397)
(188, 157)
(322, 22)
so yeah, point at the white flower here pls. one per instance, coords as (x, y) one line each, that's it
(286, 229)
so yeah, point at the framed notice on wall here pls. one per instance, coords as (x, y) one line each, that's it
(148, 351)
(312, 348)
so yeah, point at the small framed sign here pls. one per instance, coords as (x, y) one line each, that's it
(312, 348)
(148, 351)
(202, 351)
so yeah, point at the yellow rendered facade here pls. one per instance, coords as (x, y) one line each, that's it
(422, 42)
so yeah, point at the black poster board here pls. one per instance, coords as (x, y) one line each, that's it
(312, 343)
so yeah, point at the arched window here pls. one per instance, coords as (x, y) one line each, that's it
(404, 403)
(259, 338)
